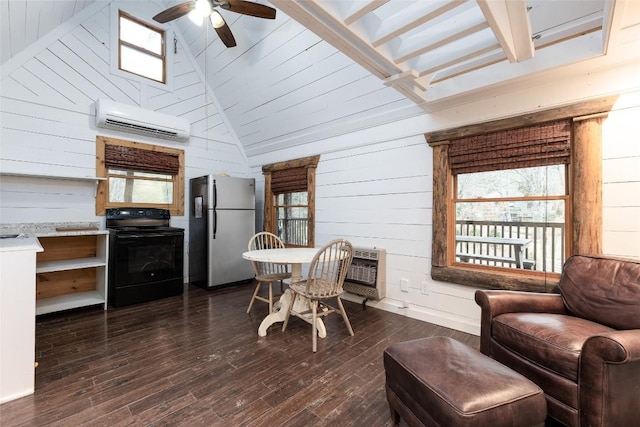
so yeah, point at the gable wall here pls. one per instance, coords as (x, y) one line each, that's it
(48, 127)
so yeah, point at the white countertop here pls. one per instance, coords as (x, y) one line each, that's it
(54, 229)
(24, 242)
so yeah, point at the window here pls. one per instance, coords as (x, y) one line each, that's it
(523, 211)
(140, 175)
(290, 201)
(512, 199)
(141, 48)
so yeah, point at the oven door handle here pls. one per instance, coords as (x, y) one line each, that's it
(137, 236)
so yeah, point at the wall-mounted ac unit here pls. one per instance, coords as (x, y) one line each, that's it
(129, 118)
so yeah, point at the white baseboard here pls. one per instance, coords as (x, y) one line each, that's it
(420, 313)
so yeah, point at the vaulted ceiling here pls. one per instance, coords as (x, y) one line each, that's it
(431, 50)
(352, 63)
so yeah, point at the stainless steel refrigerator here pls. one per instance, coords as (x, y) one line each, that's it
(221, 222)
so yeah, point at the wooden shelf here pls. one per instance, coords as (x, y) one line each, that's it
(71, 272)
(66, 302)
(71, 264)
(61, 177)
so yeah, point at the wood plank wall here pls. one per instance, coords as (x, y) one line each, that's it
(374, 187)
(374, 178)
(48, 123)
(284, 85)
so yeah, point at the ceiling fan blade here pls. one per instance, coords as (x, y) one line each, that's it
(175, 12)
(225, 34)
(249, 8)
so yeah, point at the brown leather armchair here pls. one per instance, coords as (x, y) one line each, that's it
(582, 347)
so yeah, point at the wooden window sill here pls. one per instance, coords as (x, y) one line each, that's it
(497, 279)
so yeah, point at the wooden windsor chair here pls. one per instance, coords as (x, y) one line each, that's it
(326, 276)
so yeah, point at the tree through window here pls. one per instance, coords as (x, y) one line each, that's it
(510, 197)
(139, 175)
(289, 207)
(484, 178)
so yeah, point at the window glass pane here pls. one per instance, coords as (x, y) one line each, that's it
(139, 35)
(141, 63)
(291, 225)
(532, 230)
(299, 198)
(140, 174)
(536, 181)
(130, 190)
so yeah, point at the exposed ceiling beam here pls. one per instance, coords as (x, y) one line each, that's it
(406, 76)
(578, 28)
(612, 24)
(459, 59)
(441, 42)
(312, 15)
(416, 22)
(412, 92)
(469, 66)
(365, 8)
(509, 20)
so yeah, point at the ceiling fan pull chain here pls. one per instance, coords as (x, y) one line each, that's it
(175, 45)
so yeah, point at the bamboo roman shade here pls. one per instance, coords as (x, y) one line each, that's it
(540, 145)
(137, 159)
(289, 180)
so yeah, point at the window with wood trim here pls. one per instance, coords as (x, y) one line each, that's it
(139, 175)
(289, 208)
(510, 185)
(510, 198)
(141, 48)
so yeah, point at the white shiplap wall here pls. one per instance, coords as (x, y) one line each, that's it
(47, 119)
(621, 179)
(283, 85)
(374, 177)
(374, 187)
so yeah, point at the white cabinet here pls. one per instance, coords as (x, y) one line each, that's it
(72, 272)
(17, 316)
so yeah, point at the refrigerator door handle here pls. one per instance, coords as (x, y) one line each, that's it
(214, 198)
(214, 205)
(215, 223)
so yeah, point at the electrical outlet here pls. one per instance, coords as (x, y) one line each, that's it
(404, 285)
(424, 287)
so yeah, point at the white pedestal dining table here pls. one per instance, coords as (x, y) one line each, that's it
(294, 257)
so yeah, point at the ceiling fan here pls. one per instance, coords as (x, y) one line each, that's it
(207, 9)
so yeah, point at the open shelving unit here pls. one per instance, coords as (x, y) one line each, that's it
(60, 177)
(71, 272)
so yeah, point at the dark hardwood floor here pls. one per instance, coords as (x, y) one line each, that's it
(197, 360)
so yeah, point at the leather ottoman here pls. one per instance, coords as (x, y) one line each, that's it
(439, 381)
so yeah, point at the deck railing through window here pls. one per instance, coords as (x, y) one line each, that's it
(545, 253)
(293, 231)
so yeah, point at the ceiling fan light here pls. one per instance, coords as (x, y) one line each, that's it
(196, 17)
(203, 7)
(216, 19)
